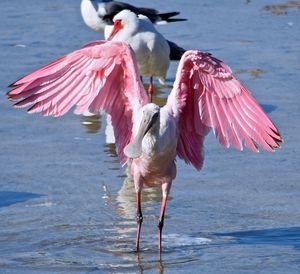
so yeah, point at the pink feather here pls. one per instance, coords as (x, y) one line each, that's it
(101, 75)
(104, 75)
(207, 93)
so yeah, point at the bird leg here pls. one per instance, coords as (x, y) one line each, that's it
(139, 219)
(150, 89)
(161, 221)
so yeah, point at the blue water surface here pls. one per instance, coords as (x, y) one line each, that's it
(66, 204)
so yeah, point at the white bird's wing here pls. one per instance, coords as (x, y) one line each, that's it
(101, 75)
(207, 95)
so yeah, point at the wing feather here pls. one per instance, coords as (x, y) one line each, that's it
(101, 75)
(207, 92)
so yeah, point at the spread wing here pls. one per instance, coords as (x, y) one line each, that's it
(207, 95)
(101, 75)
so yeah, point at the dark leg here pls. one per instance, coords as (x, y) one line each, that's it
(139, 219)
(161, 221)
(150, 90)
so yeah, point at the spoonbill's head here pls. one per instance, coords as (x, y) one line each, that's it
(150, 116)
(149, 123)
(125, 21)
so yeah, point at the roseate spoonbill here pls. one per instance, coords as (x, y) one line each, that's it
(150, 47)
(98, 13)
(104, 75)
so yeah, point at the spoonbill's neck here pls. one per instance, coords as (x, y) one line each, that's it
(150, 144)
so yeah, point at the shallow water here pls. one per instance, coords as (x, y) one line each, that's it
(66, 205)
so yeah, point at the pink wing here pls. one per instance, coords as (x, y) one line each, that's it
(207, 95)
(101, 75)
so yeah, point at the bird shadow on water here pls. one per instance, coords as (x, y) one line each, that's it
(8, 198)
(283, 236)
(268, 108)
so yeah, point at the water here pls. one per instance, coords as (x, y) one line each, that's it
(66, 205)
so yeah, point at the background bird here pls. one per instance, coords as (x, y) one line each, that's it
(104, 75)
(150, 47)
(97, 14)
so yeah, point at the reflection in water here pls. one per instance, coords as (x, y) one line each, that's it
(143, 264)
(282, 8)
(161, 266)
(92, 122)
(110, 150)
(139, 263)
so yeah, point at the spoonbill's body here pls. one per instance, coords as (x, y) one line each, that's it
(98, 13)
(151, 49)
(104, 75)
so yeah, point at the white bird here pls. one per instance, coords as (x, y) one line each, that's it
(151, 49)
(98, 13)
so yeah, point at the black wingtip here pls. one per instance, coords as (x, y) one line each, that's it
(171, 20)
(167, 17)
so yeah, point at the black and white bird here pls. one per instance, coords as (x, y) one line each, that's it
(151, 49)
(97, 14)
